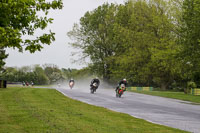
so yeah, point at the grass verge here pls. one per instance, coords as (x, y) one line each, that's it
(41, 110)
(174, 95)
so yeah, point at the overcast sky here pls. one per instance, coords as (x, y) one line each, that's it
(59, 52)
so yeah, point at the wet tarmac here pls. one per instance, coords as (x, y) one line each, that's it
(169, 112)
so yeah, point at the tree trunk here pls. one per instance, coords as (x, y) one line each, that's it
(163, 86)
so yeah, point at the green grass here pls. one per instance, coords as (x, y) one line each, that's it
(34, 110)
(18, 85)
(174, 95)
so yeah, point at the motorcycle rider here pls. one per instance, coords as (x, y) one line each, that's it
(32, 83)
(23, 83)
(120, 83)
(95, 80)
(71, 80)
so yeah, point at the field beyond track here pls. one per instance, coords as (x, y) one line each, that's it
(40, 110)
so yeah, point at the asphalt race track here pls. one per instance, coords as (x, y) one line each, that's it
(170, 112)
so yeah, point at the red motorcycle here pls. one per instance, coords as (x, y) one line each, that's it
(120, 90)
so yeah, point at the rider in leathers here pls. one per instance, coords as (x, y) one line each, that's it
(71, 80)
(95, 80)
(121, 82)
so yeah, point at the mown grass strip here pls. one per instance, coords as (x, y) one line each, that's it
(174, 95)
(40, 110)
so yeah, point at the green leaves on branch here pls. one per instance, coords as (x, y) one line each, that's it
(190, 37)
(21, 17)
(35, 44)
(94, 36)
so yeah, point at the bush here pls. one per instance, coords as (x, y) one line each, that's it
(190, 85)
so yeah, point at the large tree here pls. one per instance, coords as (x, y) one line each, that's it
(20, 18)
(190, 39)
(94, 36)
(52, 72)
(147, 30)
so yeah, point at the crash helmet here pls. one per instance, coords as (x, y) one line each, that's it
(124, 79)
(94, 84)
(122, 86)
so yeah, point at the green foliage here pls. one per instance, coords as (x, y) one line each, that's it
(25, 74)
(95, 35)
(20, 18)
(3, 56)
(190, 37)
(52, 72)
(83, 74)
(151, 43)
(47, 74)
(191, 84)
(40, 77)
(136, 40)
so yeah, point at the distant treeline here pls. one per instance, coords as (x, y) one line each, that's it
(42, 75)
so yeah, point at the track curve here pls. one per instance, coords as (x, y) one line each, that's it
(169, 112)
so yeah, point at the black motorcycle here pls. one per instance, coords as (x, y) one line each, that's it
(93, 87)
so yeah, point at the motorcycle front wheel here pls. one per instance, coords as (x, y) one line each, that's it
(92, 90)
(117, 95)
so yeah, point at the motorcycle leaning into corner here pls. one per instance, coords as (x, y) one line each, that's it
(93, 87)
(120, 90)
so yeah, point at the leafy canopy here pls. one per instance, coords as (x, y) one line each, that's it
(20, 17)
